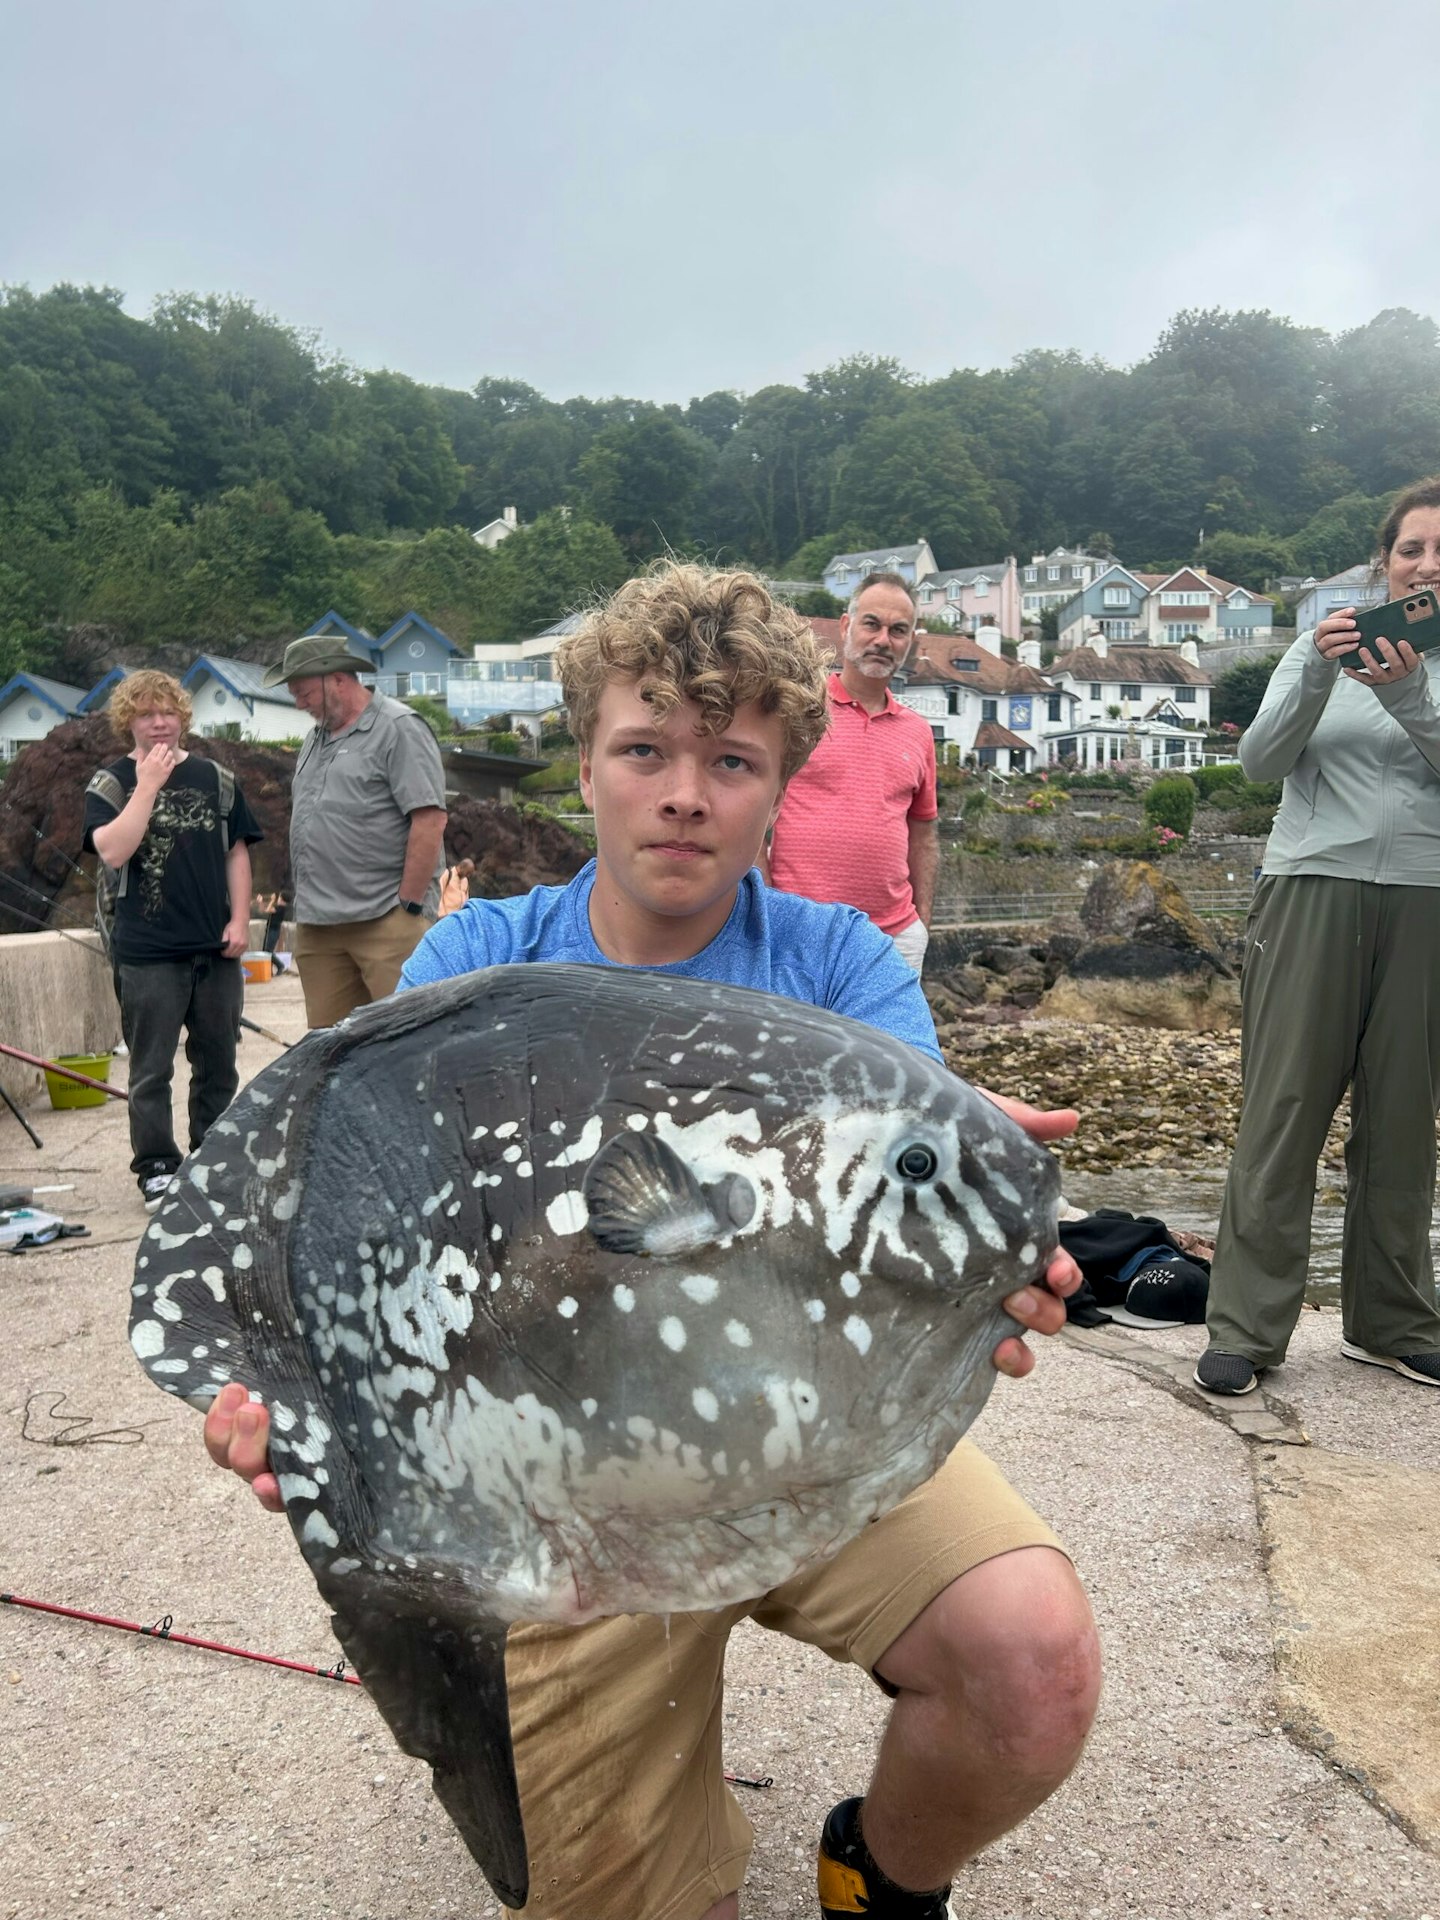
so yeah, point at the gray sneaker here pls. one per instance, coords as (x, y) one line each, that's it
(1424, 1367)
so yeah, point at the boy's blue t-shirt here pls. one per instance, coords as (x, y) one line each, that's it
(828, 956)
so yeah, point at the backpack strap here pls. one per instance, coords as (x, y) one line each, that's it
(106, 787)
(227, 802)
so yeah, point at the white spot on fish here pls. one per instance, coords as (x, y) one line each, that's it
(567, 1212)
(815, 1310)
(568, 1307)
(507, 1127)
(849, 1285)
(317, 1527)
(587, 1407)
(672, 1332)
(737, 1333)
(700, 1287)
(624, 1298)
(705, 1403)
(147, 1337)
(857, 1332)
(637, 1122)
(585, 1148)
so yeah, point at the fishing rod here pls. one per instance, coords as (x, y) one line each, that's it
(88, 946)
(164, 1629)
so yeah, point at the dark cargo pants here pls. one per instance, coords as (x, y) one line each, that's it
(1341, 984)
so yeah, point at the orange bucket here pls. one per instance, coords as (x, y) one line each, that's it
(256, 967)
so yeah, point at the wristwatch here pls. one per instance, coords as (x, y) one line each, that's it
(412, 906)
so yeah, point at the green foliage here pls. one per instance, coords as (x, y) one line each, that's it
(977, 804)
(817, 603)
(1170, 802)
(1238, 692)
(1248, 559)
(1208, 779)
(1252, 822)
(561, 776)
(505, 740)
(210, 471)
(434, 713)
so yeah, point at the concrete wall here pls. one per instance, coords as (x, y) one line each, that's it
(55, 997)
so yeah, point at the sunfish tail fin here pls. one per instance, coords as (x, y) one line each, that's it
(439, 1681)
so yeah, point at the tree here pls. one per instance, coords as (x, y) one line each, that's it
(1239, 691)
(1385, 400)
(1249, 559)
(644, 478)
(1340, 535)
(911, 477)
(545, 570)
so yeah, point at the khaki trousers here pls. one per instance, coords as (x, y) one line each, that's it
(1341, 985)
(347, 966)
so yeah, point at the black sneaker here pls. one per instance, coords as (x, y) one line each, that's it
(153, 1189)
(1226, 1372)
(849, 1882)
(1424, 1367)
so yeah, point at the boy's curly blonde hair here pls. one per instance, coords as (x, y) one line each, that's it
(713, 635)
(148, 691)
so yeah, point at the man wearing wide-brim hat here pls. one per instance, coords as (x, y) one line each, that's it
(367, 826)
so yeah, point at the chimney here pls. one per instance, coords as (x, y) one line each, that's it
(988, 637)
(509, 517)
(1098, 645)
(1028, 653)
(1189, 651)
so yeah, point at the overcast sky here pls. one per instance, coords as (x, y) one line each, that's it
(662, 197)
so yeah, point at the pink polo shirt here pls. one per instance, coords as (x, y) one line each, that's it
(844, 828)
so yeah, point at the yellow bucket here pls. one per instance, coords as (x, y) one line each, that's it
(69, 1093)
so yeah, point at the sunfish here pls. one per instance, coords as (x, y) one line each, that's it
(577, 1291)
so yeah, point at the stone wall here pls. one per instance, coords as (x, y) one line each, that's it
(55, 997)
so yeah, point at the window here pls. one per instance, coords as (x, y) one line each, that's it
(1185, 696)
(1129, 690)
(1030, 602)
(1186, 599)
(1053, 707)
(1094, 689)
(1118, 629)
(981, 587)
(1116, 596)
(1032, 574)
(989, 710)
(416, 649)
(402, 685)
(964, 666)
(842, 575)
(1052, 573)
(1182, 630)
(954, 590)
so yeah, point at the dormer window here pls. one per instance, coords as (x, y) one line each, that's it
(1032, 573)
(962, 665)
(954, 590)
(981, 586)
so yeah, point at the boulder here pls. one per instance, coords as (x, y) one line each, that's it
(1149, 961)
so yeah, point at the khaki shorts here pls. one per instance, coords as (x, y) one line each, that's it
(617, 1725)
(347, 966)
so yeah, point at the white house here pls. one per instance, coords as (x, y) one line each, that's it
(996, 709)
(30, 706)
(1158, 695)
(494, 531)
(1352, 588)
(510, 676)
(226, 693)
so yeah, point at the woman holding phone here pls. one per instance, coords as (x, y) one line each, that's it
(1341, 986)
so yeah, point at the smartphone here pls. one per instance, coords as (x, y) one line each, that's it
(1415, 617)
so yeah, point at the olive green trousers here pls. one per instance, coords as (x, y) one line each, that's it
(1340, 986)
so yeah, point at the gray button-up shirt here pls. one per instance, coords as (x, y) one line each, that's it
(350, 809)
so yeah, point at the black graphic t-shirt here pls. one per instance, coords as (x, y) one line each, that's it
(175, 901)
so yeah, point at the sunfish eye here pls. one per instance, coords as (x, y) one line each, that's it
(917, 1162)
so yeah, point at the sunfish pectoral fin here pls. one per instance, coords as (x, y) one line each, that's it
(642, 1198)
(439, 1681)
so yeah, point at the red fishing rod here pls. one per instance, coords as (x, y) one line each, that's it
(163, 1630)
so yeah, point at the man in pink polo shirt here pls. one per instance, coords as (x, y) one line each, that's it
(857, 824)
